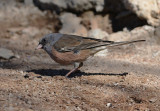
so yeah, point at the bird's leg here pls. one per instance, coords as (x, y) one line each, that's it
(76, 67)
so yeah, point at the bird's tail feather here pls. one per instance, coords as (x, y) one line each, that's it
(112, 44)
(124, 43)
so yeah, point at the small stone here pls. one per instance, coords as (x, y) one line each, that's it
(115, 84)
(109, 105)
(21, 72)
(6, 53)
(26, 76)
(153, 100)
(17, 56)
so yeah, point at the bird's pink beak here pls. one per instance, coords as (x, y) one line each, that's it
(39, 46)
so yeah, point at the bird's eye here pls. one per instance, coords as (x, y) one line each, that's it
(44, 40)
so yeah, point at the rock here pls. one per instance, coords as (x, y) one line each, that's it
(42, 5)
(102, 53)
(98, 33)
(71, 25)
(109, 105)
(17, 56)
(115, 6)
(119, 36)
(91, 21)
(77, 6)
(74, 5)
(21, 72)
(6, 53)
(104, 23)
(26, 76)
(145, 32)
(153, 100)
(149, 28)
(28, 2)
(146, 9)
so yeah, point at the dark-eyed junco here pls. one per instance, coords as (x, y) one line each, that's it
(71, 49)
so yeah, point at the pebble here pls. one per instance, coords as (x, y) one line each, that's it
(153, 100)
(26, 76)
(109, 105)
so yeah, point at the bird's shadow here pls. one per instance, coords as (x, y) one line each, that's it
(63, 72)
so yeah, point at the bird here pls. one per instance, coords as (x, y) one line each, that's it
(68, 49)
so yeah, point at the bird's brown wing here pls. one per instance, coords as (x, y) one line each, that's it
(68, 43)
(75, 43)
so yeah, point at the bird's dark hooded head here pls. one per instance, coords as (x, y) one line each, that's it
(48, 41)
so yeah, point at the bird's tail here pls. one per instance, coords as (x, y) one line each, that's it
(111, 44)
(122, 43)
(106, 44)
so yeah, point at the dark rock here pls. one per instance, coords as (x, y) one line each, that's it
(26, 76)
(47, 6)
(77, 6)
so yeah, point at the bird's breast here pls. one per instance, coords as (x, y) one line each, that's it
(66, 58)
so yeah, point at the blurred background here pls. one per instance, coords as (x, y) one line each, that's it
(30, 80)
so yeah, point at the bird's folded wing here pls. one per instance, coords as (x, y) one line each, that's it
(76, 43)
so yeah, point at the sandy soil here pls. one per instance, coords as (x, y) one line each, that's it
(32, 81)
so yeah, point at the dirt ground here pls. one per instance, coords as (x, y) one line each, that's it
(32, 81)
